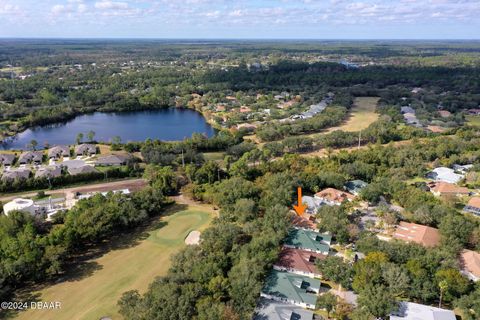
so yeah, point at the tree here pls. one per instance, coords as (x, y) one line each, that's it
(79, 138)
(33, 144)
(116, 140)
(397, 279)
(377, 300)
(90, 135)
(335, 269)
(327, 301)
(443, 286)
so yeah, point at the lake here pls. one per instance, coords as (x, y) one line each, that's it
(165, 124)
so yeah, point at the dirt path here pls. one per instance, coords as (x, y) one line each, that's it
(133, 185)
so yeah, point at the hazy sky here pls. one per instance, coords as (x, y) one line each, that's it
(319, 19)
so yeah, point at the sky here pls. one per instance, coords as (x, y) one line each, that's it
(241, 19)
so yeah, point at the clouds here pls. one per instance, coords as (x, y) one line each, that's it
(248, 16)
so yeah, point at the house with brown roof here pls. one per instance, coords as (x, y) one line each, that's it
(441, 188)
(244, 109)
(85, 149)
(58, 151)
(31, 156)
(306, 222)
(298, 261)
(412, 232)
(16, 174)
(332, 196)
(48, 172)
(473, 206)
(114, 160)
(470, 262)
(444, 113)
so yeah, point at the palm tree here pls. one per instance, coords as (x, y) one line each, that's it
(79, 138)
(33, 144)
(443, 285)
(90, 135)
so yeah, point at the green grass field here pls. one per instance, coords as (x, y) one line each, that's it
(473, 120)
(131, 264)
(361, 115)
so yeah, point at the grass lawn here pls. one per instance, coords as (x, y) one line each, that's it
(361, 116)
(213, 156)
(473, 120)
(92, 291)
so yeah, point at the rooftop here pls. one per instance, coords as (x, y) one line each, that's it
(471, 262)
(412, 232)
(445, 188)
(308, 240)
(274, 310)
(299, 260)
(291, 286)
(334, 195)
(415, 311)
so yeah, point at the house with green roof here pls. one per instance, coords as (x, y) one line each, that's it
(308, 240)
(291, 288)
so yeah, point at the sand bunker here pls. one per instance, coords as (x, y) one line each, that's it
(193, 237)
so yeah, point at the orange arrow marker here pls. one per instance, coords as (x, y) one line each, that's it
(300, 207)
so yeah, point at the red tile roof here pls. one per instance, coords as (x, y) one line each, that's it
(474, 202)
(304, 222)
(299, 260)
(412, 232)
(471, 262)
(448, 188)
(334, 195)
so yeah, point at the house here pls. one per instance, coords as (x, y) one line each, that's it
(444, 174)
(412, 232)
(81, 170)
(16, 174)
(473, 206)
(444, 113)
(291, 288)
(85, 149)
(306, 222)
(31, 156)
(333, 196)
(355, 186)
(474, 112)
(220, 108)
(245, 109)
(407, 109)
(7, 159)
(58, 151)
(462, 168)
(447, 189)
(114, 160)
(48, 172)
(298, 261)
(312, 203)
(470, 262)
(308, 240)
(275, 310)
(415, 311)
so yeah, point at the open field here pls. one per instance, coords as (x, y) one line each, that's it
(473, 120)
(361, 116)
(132, 262)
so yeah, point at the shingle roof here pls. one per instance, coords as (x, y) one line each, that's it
(300, 260)
(113, 159)
(444, 174)
(48, 172)
(81, 170)
(415, 311)
(58, 150)
(15, 174)
(412, 232)
(275, 310)
(291, 286)
(6, 158)
(29, 156)
(308, 240)
(85, 148)
(448, 188)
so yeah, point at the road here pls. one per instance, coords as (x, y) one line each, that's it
(133, 185)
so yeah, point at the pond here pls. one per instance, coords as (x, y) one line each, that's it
(165, 124)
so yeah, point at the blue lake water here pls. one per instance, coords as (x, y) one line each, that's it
(165, 124)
